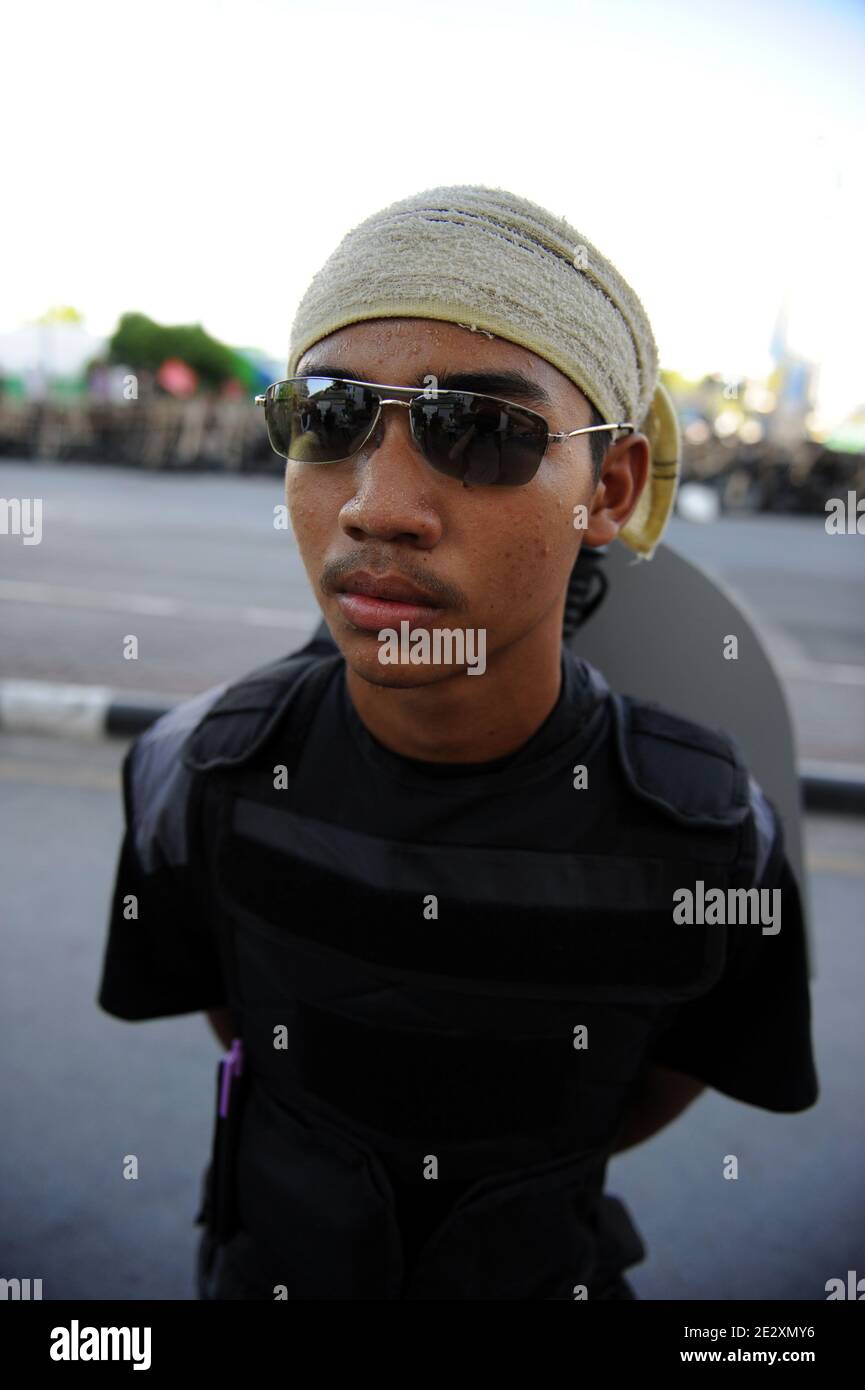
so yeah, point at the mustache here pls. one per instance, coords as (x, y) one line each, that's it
(336, 571)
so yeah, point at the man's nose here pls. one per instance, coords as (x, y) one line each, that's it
(394, 493)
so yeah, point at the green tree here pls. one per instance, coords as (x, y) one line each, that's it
(138, 341)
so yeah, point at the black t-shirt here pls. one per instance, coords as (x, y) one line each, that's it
(749, 1037)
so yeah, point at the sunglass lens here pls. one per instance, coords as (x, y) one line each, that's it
(318, 420)
(480, 441)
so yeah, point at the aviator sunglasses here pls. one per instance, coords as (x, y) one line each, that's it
(465, 435)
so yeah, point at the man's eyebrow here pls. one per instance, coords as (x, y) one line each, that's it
(509, 385)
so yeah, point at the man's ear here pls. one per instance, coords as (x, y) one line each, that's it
(624, 474)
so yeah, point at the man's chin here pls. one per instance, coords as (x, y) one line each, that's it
(402, 676)
(361, 656)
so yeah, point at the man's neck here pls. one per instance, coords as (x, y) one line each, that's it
(468, 719)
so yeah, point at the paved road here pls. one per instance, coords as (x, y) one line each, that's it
(80, 1090)
(192, 565)
(806, 590)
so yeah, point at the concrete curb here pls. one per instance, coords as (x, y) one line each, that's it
(96, 711)
(78, 711)
(833, 787)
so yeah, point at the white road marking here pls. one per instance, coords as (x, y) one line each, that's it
(154, 605)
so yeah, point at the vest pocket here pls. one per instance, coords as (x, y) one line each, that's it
(319, 1203)
(524, 1237)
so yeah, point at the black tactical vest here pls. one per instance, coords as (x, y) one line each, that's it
(371, 1036)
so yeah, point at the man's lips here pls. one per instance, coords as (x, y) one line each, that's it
(376, 613)
(387, 586)
(373, 602)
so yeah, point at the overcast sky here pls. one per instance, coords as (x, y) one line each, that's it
(198, 162)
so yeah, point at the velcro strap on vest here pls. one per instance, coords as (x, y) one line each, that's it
(693, 774)
(246, 715)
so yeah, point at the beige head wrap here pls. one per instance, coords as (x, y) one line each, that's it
(485, 258)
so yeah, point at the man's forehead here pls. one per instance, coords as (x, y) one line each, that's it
(414, 339)
(395, 348)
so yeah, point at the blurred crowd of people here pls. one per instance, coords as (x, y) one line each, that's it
(165, 419)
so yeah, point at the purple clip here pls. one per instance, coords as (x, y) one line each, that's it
(232, 1066)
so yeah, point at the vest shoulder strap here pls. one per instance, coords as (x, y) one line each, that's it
(246, 715)
(691, 773)
(157, 786)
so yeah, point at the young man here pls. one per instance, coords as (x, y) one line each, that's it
(430, 880)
